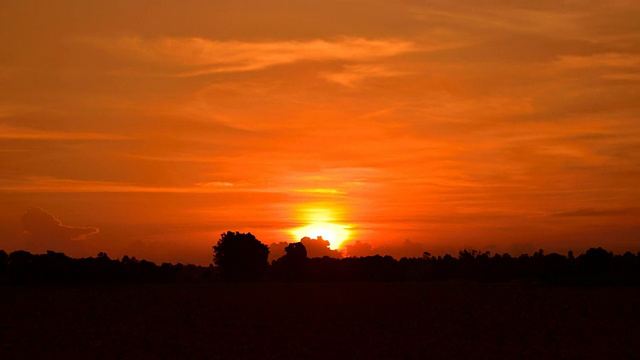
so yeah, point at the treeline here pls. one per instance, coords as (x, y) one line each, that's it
(594, 267)
(242, 257)
(22, 267)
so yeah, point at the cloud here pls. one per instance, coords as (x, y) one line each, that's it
(321, 191)
(599, 212)
(316, 248)
(319, 248)
(476, 22)
(198, 56)
(359, 249)
(609, 66)
(51, 184)
(276, 250)
(406, 249)
(354, 74)
(41, 226)
(10, 132)
(214, 184)
(599, 60)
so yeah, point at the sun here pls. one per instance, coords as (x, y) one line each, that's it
(334, 233)
(320, 222)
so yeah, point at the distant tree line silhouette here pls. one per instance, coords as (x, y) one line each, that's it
(242, 257)
(22, 267)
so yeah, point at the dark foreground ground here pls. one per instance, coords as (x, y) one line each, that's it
(320, 321)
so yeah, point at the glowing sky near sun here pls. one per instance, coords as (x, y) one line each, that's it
(417, 125)
(321, 222)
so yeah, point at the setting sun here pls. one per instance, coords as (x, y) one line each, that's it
(334, 233)
(321, 222)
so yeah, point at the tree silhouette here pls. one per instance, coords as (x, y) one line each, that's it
(293, 265)
(4, 258)
(240, 256)
(296, 251)
(595, 263)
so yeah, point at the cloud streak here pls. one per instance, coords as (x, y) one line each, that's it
(15, 133)
(354, 74)
(50, 184)
(199, 56)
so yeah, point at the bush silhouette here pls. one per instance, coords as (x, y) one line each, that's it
(293, 265)
(296, 251)
(240, 256)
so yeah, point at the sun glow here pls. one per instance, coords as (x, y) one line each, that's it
(334, 233)
(320, 222)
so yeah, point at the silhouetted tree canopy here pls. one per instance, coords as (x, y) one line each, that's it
(240, 256)
(296, 251)
(293, 265)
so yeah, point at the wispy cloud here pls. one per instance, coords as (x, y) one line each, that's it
(50, 184)
(214, 184)
(631, 211)
(321, 191)
(198, 56)
(615, 60)
(10, 132)
(57, 185)
(475, 15)
(354, 74)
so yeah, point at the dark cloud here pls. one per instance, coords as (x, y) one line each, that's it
(316, 248)
(359, 249)
(41, 228)
(407, 248)
(319, 248)
(276, 250)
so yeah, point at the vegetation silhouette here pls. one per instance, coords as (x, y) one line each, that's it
(293, 265)
(240, 256)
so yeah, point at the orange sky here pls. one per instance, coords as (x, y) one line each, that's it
(149, 128)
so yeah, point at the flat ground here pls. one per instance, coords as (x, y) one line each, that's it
(320, 321)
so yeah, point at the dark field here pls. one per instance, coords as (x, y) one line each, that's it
(320, 321)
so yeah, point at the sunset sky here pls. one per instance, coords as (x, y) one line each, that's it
(148, 128)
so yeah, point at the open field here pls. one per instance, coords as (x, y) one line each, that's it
(320, 321)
